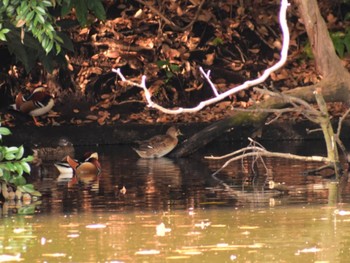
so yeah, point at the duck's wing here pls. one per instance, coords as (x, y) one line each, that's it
(154, 142)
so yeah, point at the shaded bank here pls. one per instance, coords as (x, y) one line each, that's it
(129, 133)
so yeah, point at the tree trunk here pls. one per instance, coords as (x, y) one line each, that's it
(327, 61)
(335, 85)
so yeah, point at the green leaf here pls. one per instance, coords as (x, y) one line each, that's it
(26, 210)
(40, 10)
(97, 8)
(217, 41)
(6, 176)
(23, 9)
(9, 166)
(18, 180)
(29, 188)
(10, 11)
(5, 2)
(12, 149)
(46, 3)
(26, 167)
(10, 156)
(18, 168)
(4, 131)
(2, 38)
(20, 152)
(30, 16)
(162, 63)
(66, 7)
(174, 67)
(28, 159)
(347, 41)
(39, 18)
(81, 12)
(3, 32)
(49, 47)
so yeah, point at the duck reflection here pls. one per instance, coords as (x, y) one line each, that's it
(158, 181)
(161, 171)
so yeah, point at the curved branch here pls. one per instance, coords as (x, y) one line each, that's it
(218, 97)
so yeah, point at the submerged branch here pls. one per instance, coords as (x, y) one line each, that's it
(257, 151)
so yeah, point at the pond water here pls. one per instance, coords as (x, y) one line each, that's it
(174, 210)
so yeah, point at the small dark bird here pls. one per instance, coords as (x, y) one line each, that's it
(159, 145)
(53, 153)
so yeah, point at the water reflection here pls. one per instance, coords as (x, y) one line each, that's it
(290, 234)
(130, 183)
(173, 209)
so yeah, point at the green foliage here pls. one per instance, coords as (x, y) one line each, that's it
(30, 28)
(13, 165)
(218, 41)
(170, 69)
(82, 9)
(341, 42)
(307, 50)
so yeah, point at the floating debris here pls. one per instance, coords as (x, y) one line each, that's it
(8, 258)
(161, 230)
(96, 226)
(148, 252)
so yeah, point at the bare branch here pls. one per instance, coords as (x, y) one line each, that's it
(257, 151)
(337, 135)
(218, 97)
(340, 123)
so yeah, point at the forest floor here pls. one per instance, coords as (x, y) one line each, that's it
(168, 42)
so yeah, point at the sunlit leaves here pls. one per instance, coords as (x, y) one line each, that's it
(13, 165)
(29, 188)
(3, 33)
(4, 131)
(26, 210)
(34, 18)
(170, 68)
(341, 42)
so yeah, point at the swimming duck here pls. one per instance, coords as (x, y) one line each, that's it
(36, 104)
(85, 171)
(159, 145)
(53, 153)
(90, 165)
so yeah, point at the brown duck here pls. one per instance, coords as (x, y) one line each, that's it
(90, 165)
(159, 145)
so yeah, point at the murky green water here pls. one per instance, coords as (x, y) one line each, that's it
(292, 234)
(174, 211)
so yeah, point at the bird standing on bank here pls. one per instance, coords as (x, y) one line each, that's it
(36, 104)
(159, 145)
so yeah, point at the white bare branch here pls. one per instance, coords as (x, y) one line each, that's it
(218, 97)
